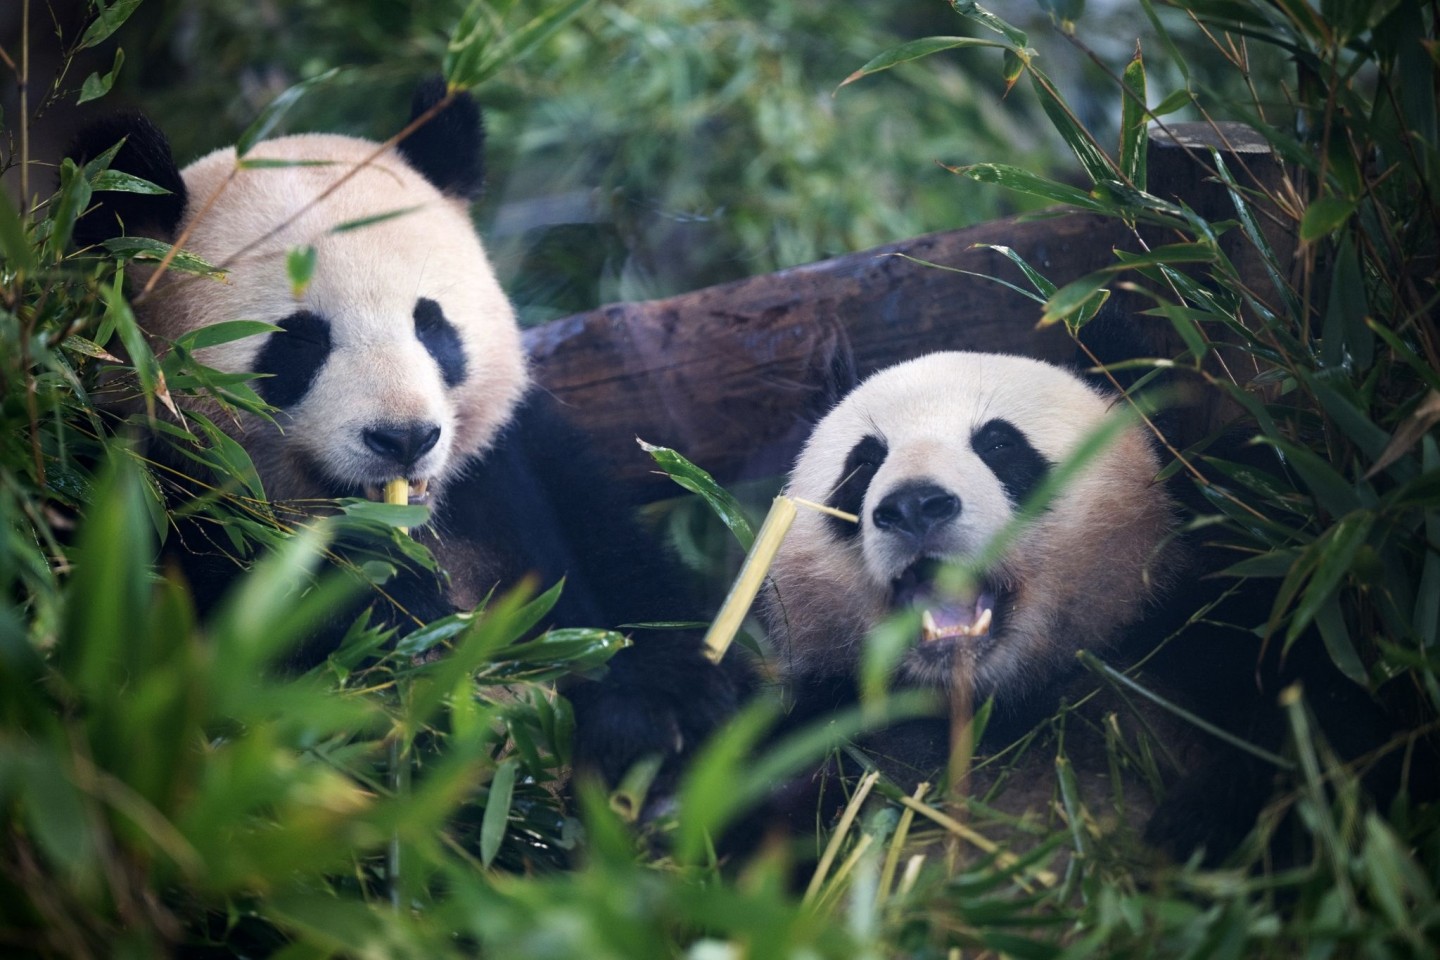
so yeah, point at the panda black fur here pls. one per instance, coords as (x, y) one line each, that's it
(402, 358)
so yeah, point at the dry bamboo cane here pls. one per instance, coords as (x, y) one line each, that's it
(962, 743)
(747, 582)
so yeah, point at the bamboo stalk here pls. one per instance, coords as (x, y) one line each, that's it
(747, 582)
(962, 743)
(852, 810)
(1002, 857)
(897, 843)
(397, 491)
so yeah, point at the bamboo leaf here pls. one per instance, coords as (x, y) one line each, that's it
(701, 483)
(226, 331)
(361, 222)
(1062, 118)
(497, 811)
(14, 241)
(97, 85)
(1332, 555)
(1134, 134)
(1324, 216)
(1077, 298)
(914, 50)
(122, 182)
(109, 20)
(300, 267)
(1023, 181)
(271, 116)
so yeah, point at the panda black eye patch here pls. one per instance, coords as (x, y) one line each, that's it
(440, 338)
(860, 467)
(1008, 453)
(292, 358)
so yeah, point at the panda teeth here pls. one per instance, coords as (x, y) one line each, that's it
(981, 626)
(930, 631)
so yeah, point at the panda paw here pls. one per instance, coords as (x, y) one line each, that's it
(651, 707)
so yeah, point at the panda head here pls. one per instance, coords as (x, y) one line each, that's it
(400, 358)
(935, 456)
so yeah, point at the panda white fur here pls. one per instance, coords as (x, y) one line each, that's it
(402, 358)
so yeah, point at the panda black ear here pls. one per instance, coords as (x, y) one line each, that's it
(449, 150)
(145, 154)
(837, 377)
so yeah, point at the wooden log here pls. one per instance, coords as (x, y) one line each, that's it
(731, 376)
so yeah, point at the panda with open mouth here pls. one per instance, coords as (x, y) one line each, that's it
(936, 458)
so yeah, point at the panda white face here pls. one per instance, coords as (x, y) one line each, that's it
(935, 456)
(401, 358)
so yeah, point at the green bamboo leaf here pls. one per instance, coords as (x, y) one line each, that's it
(109, 20)
(497, 811)
(97, 85)
(226, 331)
(1062, 118)
(404, 515)
(122, 182)
(300, 268)
(271, 116)
(914, 50)
(1076, 299)
(1177, 100)
(58, 816)
(1042, 285)
(1344, 330)
(361, 222)
(972, 11)
(70, 200)
(154, 251)
(1332, 556)
(701, 483)
(276, 163)
(1023, 181)
(1331, 490)
(473, 54)
(1330, 620)
(1324, 216)
(1134, 123)
(14, 241)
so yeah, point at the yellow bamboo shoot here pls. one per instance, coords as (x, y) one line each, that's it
(751, 576)
(398, 491)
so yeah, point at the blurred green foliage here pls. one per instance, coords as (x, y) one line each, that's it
(163, 791)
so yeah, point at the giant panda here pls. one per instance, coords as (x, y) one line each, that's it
(402, 358)
(936, 457)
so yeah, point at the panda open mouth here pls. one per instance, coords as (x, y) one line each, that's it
(945, 616)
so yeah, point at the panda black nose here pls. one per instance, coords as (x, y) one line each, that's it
(402, 443)
(916, 509)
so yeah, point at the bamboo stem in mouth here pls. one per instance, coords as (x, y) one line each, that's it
(397, 491)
